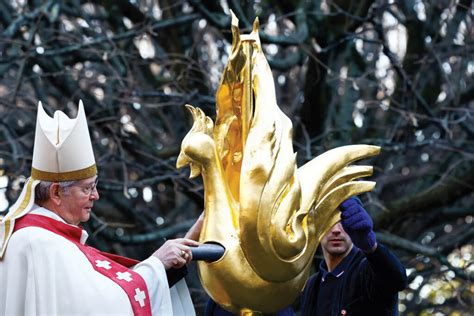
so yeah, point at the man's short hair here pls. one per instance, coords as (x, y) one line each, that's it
(42, 189)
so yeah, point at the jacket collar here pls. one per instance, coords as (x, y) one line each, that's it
(340, 268)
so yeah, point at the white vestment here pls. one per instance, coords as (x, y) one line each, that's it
(43, 273)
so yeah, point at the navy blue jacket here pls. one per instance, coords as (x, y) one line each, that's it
(361, 284)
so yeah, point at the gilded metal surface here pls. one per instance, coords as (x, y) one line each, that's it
(268, 214)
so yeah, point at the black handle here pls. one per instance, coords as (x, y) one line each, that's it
(207, 252)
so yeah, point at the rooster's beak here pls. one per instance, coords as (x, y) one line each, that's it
(182, 161)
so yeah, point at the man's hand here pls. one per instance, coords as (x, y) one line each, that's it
(175, 253)
(358, 224)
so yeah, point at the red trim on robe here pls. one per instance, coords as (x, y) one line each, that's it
(112, 266)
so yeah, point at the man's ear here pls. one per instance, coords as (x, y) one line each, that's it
(55, 193)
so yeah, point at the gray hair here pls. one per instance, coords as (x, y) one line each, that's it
(42, 189)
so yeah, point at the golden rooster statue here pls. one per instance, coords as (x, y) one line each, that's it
(268, 214)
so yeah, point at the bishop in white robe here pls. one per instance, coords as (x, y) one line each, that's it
(45, 273)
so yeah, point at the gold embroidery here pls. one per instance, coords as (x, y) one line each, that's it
(26, 200)
(19, 210)
(64, 176)
(5, 237)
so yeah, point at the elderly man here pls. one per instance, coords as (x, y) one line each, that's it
(358, 276)
(47, 269)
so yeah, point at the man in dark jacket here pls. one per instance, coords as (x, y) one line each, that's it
(358, 276)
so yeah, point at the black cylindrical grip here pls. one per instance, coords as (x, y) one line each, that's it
(207, 252)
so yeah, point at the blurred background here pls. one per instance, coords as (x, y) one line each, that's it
(397, 74)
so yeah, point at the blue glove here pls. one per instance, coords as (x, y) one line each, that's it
(358, 224)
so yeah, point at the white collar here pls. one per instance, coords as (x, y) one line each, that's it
(38, 210)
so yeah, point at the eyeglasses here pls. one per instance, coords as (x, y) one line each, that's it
(87, 190)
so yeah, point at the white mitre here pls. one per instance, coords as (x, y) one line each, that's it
(62, 152)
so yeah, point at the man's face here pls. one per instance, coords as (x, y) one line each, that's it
(77, 201)
(336, 242)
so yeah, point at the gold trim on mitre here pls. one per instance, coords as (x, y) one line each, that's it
(64, 176)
